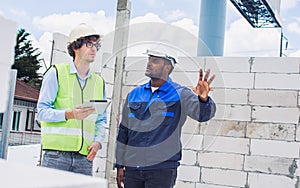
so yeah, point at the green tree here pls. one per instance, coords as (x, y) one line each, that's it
(27, 60)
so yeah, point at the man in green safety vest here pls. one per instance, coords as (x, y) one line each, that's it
(70, 140)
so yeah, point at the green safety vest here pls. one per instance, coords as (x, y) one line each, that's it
(72, 135)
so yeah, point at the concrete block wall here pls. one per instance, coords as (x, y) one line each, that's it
(254, 139)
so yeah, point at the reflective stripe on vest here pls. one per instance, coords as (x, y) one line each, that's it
(65, 131)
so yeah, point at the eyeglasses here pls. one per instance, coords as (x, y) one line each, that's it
(90, 45)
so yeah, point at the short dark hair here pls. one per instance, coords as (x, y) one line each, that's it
(169, 62)
(78, 44)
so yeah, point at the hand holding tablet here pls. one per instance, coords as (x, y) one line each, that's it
(99, 105)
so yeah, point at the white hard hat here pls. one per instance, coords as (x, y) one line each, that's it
(82, 30)
(166, 56)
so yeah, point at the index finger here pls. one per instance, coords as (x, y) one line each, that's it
(200, 74)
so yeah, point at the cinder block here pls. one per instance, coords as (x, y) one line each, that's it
(126, 90)
(186, 78)
(188, 173)
(181, 184)
(189, 157)
(112, 178)
(298, 169)
(7, 37)
(103, 151)
(269, 165)
(256, 180)
(277, 81)
(299, 99)
(233, 112)
(108, 75)
(189, 63)
(99, 165)
(230, 96)
(136, 63)
(223, 128)
(226, 144)
(134, 78)
(298, 133)
(100, 174)
(203, 185)
(234, 80)
(221, 160)
(191, 142)
(191, 126)
(224, 177)
(275, 148)
(271, 131)
(275, 65)
(229, 64)
(273, 98)
(275, 114)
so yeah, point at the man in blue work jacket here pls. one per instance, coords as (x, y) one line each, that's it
(148, 143)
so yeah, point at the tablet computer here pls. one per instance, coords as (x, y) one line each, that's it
(99, 105)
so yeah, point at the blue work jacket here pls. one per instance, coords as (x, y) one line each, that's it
(150, 130)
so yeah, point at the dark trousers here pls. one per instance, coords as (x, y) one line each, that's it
(162, 178)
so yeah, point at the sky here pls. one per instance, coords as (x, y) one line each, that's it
(42, 18)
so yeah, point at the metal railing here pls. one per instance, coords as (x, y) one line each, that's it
(23, 138)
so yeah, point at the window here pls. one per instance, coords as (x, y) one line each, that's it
(29, 121)
(16, 121)
(1, 120)
(31, 124)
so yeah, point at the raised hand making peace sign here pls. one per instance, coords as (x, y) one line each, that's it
(202, 88)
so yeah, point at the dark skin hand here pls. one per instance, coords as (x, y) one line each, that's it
(120, 177)
(202, 88)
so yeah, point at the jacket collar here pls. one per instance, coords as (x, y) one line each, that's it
(164, 87)
(73, 70)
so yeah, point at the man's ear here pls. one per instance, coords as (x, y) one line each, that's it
(76, 51)
(169, 68)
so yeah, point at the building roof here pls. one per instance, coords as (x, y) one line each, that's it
(26, 92)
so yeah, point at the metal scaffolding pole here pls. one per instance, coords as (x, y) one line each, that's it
(7, 115)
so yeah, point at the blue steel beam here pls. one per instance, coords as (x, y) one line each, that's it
(257, 12)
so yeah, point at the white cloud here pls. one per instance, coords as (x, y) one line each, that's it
(63, 22)
(188, 25)
(175, 15)
(19, 13)
(151, 2)
(154, 3)
(184, 23)
(243, 40)
(294, 27)
(288, 4)
(149, 17)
